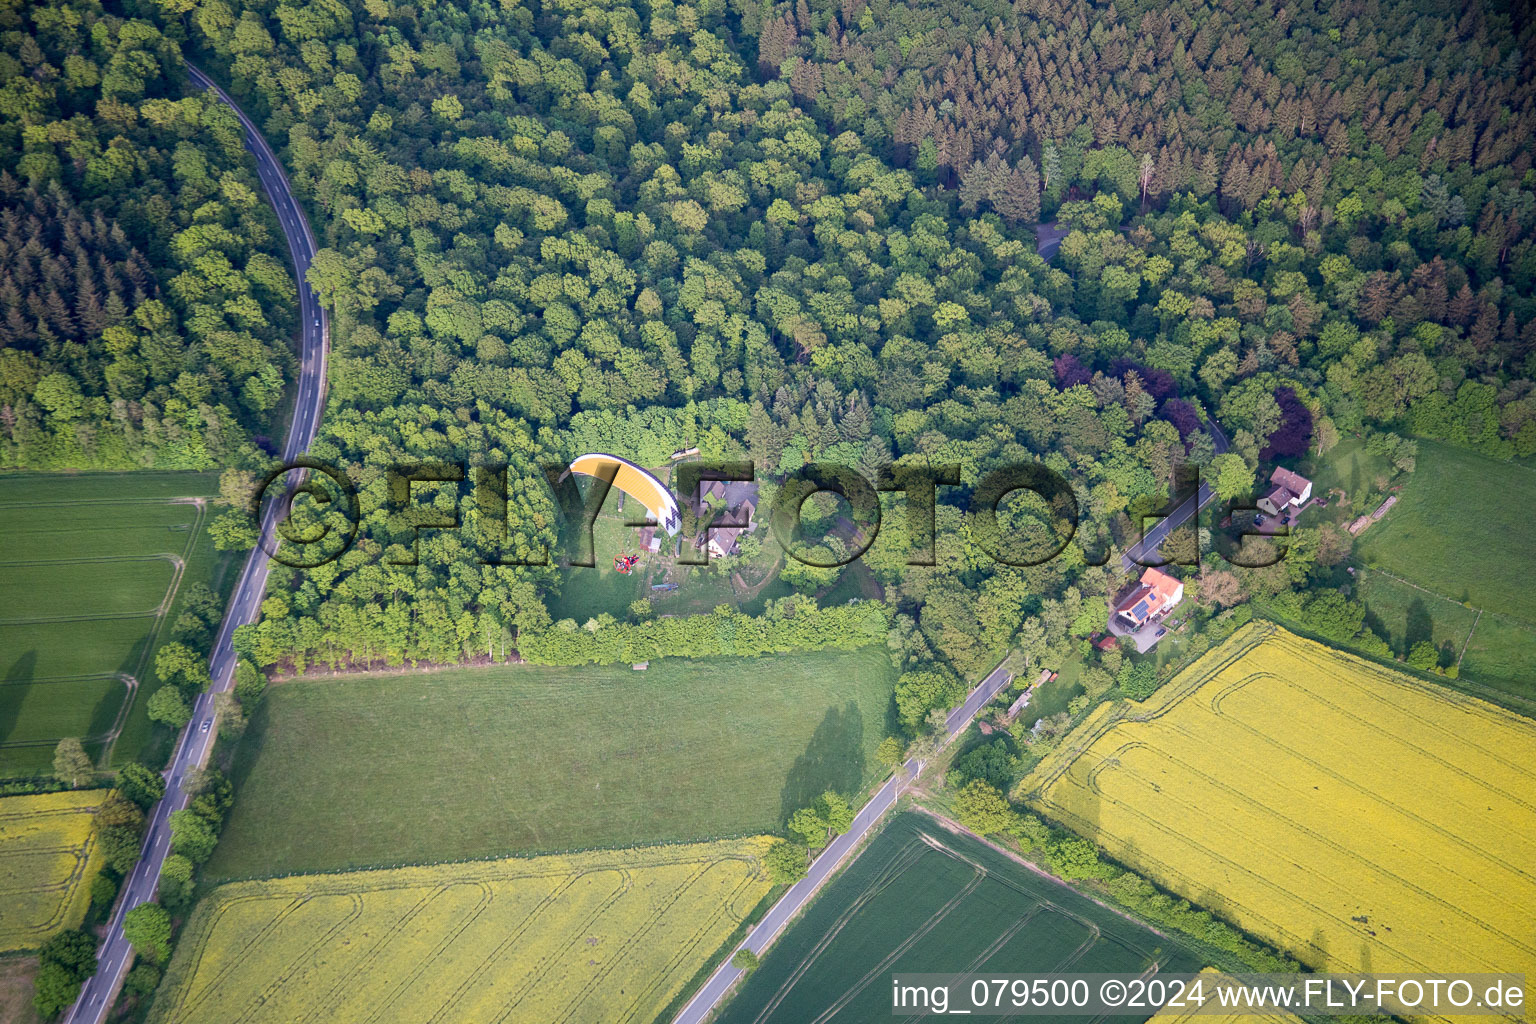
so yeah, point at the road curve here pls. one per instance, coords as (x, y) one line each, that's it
(115, 956)
(714, 990)
(1138, 554)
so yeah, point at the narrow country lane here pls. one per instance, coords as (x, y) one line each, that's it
(196, 742)
(1139, 552)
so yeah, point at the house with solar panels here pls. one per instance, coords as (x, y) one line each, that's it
(1153, 597)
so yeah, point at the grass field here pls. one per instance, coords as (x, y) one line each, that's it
(1459, 532)
(923, 899)
(47, 855)
(610, 936)
(1460, 528)
(16, 988)
(92, 567)
(1403, 615)
(1345, 812)
(1503, 649)
(481, 762)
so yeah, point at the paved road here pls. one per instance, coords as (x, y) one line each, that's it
(1048, 239)
(707, 998)
(1141, 552)
(115, 956)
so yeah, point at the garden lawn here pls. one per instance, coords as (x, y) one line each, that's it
(1348, 467)
(479, 762)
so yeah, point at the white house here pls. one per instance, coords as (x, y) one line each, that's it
(1291, 490)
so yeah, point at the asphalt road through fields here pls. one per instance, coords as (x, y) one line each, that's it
(116, 956)
(708, 997)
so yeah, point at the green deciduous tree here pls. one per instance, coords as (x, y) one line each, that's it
(168, 706)
(71, 764)
(786, 862)
(147, 928)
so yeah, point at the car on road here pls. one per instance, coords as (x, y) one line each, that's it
(206, 723)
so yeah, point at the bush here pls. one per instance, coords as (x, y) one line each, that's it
(103, 891)
(745, 960)
(142, 980)
(984, 810)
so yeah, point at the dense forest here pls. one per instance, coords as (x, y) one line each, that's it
(145, 292)
(563, 227)
(785, 232)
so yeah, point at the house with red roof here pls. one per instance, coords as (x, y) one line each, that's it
(1153, 597)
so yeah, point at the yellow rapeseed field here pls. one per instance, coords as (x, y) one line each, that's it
(1349, 814)
(608, 936)
(48, 855)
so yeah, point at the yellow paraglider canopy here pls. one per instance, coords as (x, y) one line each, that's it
(636, 482)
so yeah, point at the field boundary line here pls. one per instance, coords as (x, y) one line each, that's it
(179, 500)
(1468, 641)
(1525, 623)
(152, 641)
(169, 556)
(952, 825)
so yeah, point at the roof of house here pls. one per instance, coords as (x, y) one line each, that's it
(723, 538)
(1291, 481)
(1138, 604)
(1280, 496)
(1162, 584)
(1156, 592)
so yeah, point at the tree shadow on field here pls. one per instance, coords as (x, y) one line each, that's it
(14, 689)
(834, 759)
(1420, 625)
(1376, 624)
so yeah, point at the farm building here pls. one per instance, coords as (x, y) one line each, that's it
(1289, 490)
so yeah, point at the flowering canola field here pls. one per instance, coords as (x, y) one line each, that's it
(608, 936)
(48, 855)
(1346, 813)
